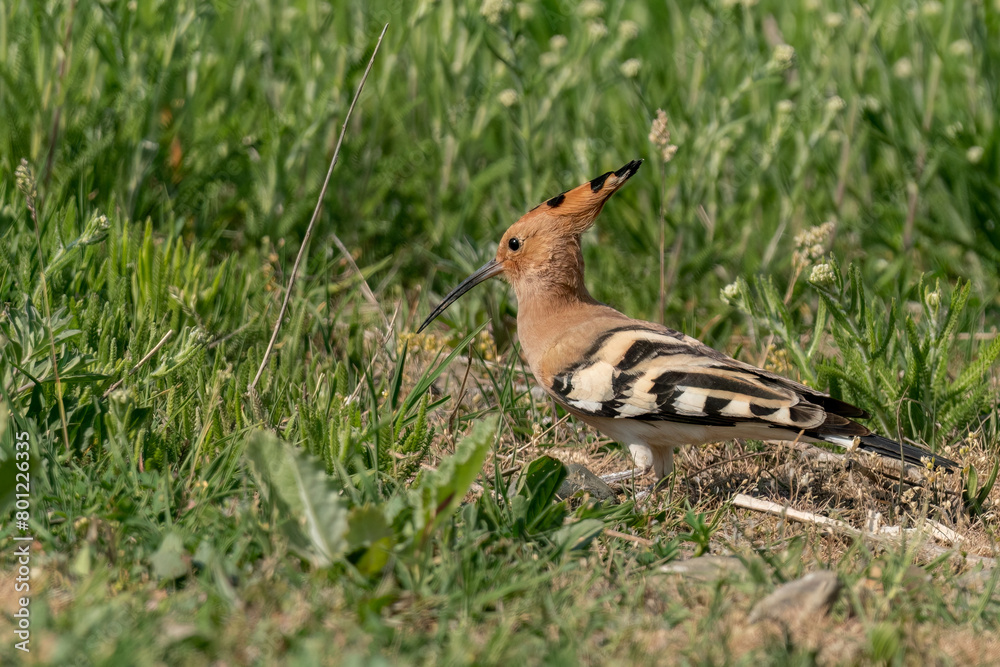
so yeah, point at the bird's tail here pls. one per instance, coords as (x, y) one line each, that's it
(893, 450)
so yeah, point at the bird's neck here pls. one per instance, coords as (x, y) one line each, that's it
(546, 293)
(546, 309)
(551, 296)
(556, 282)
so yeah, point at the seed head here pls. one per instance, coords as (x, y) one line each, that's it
(659, 135)
(494, 10)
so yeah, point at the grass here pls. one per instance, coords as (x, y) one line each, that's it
(361, 508)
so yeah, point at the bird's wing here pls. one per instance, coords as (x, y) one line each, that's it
(651, 374)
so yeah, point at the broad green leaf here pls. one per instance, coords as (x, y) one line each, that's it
(170, 562)
(538, 485)
(577, 535)
(310, 509)
(12, 424)
(976, 496)
(369, 529)
(438, 494)
(366, 525)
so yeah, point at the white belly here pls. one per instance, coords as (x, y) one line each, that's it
(652, 443)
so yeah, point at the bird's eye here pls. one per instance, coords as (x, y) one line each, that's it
(514, 244)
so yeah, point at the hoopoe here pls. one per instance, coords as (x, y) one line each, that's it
(641, 383)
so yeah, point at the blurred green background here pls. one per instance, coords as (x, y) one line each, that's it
(216, 121)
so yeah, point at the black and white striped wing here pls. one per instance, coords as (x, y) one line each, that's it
(647, 374)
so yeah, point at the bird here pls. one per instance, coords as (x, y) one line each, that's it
(643, 384)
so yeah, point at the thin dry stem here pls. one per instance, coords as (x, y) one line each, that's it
(914, 194)
(371, 363)
(461, 393)
(308, 235)
(149, 355)
(674, 266)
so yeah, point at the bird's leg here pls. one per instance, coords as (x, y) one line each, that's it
(663, 462)
(659, 459)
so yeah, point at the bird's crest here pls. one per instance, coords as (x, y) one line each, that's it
(574, 211)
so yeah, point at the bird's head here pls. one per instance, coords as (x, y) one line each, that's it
(541, 251)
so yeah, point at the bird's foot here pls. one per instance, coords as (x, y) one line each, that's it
(634, 473)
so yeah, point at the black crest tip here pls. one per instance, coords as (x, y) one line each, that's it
(629, 169)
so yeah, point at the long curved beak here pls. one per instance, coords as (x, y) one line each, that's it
(485, 272)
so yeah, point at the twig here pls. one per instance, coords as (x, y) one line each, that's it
(889, 536)
(149, 355)
(305, 240)
(623, 475)
(758, 505)
(630, 538)
(944, 533)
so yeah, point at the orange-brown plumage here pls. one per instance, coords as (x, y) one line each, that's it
(648, 386)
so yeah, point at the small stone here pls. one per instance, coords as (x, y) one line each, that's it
(799, 600)
(707, 568)
(580, 479)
